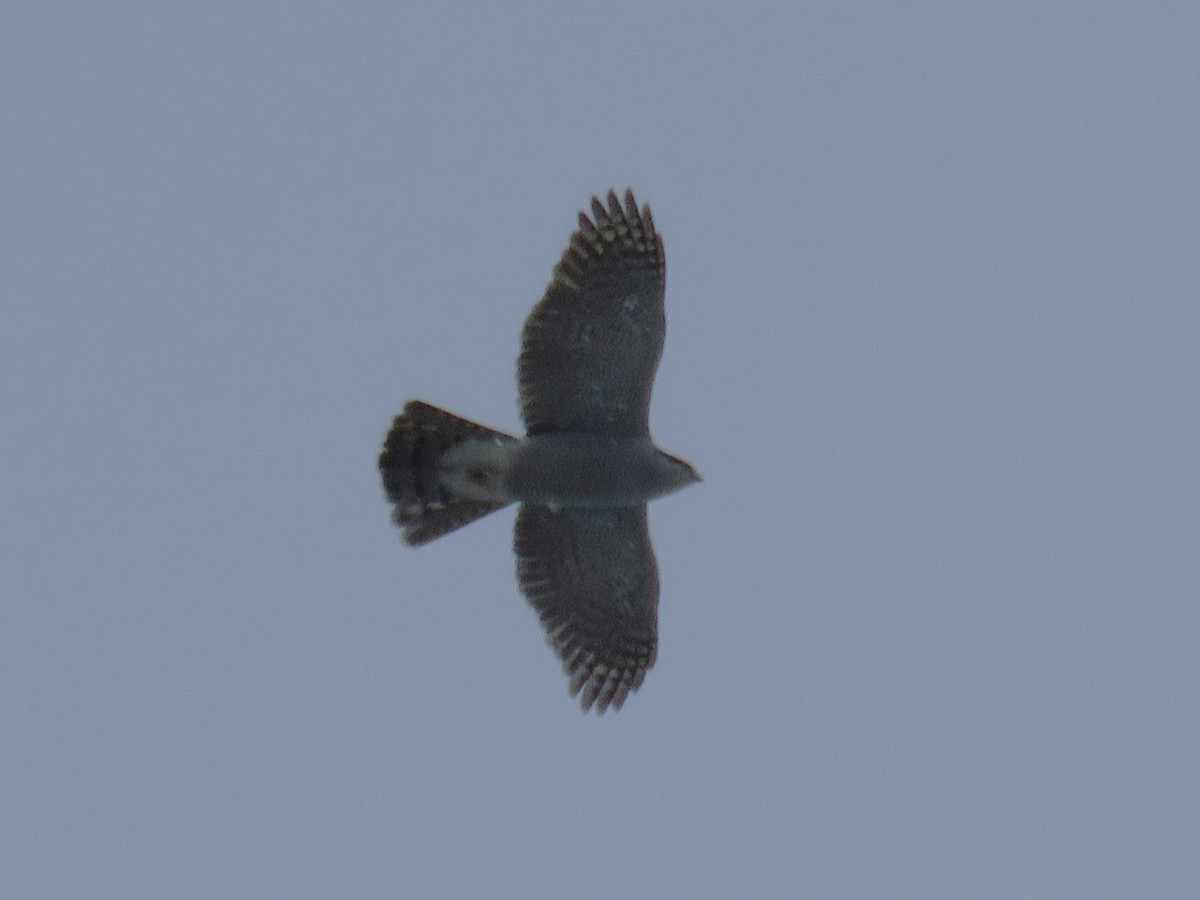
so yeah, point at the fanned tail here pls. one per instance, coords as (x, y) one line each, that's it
(424, 509)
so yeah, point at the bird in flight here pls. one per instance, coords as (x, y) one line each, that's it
(586, 466)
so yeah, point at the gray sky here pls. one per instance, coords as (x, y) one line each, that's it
(930, 627)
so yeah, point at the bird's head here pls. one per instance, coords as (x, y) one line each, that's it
(679, 472)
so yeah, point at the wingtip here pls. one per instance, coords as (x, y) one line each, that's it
(614, 205)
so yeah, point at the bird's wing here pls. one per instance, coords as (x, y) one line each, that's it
(591, 576)
(590, 347)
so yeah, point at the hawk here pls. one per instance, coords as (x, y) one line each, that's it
(586, 466)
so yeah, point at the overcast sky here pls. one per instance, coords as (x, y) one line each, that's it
(929, 628)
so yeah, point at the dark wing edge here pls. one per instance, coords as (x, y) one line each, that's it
(591, 346)
(592, 578)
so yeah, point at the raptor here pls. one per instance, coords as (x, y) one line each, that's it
(586, 466)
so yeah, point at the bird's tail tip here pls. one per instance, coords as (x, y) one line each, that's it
(423, 507)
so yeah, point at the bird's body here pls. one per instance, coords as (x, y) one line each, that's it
(563, 469)
(585, 469)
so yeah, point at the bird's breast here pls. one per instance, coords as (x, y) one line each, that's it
(586, 471)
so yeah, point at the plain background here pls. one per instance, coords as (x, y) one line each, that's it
(931, 625)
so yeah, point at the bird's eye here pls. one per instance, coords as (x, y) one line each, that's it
(479, 476)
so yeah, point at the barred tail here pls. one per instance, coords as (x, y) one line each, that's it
(424, 509)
